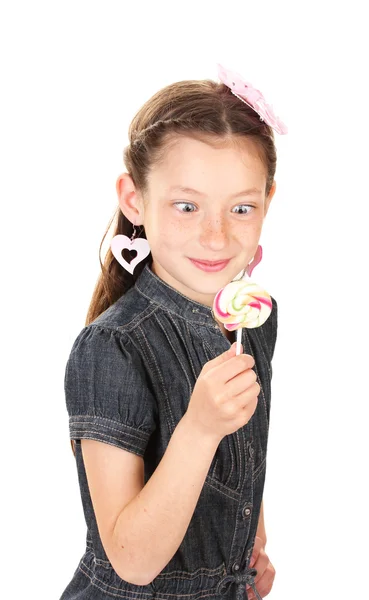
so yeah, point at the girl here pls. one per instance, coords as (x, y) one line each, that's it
(168, 425)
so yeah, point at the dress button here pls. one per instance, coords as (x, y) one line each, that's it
(247, 510)
(235, 566)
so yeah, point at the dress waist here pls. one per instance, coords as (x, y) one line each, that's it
(240, 579)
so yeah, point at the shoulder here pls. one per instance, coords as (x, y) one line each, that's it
(126, 312)
(109, 343)
(106, 349)
(108, 388)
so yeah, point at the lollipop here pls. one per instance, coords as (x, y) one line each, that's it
(242, 303)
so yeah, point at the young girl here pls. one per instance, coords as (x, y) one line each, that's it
(168, 425)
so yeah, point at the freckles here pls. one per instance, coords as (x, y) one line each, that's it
(180, 228)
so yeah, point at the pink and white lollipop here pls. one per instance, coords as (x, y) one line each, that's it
(242, 303)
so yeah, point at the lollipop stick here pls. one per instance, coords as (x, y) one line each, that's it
(238, 340)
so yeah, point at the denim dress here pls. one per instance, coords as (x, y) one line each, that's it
(128, 381)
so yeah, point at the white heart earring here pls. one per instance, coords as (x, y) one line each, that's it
(121, 242)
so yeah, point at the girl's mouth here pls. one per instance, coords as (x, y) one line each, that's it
(210, 266)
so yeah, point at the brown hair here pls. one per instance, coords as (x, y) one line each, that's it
(200, 109)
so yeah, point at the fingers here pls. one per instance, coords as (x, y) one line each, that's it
(264, 578)
(263, 582)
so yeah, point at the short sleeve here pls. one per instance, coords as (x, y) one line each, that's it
(107, 392)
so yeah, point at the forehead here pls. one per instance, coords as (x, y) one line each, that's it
(195, 162)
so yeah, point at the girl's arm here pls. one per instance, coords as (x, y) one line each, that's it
(175, 488)
(123, 503)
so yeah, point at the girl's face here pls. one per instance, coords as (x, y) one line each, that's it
(218, 221)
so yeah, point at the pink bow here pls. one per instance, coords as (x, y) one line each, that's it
(251, 96)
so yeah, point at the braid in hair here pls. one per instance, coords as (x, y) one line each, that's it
(139, 137)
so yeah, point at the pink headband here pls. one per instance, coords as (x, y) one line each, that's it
(252, 97)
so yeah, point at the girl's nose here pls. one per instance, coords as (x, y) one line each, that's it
(214, 231)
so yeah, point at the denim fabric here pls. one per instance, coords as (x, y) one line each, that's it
(128, 381)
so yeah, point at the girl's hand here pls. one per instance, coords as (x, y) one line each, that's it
(266, 572)
(225, 395)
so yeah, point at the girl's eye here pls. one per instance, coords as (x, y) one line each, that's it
(245, 206)
(185, 203)
(190, 204)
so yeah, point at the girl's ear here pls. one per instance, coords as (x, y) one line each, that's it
(128, 198)
(269, 198)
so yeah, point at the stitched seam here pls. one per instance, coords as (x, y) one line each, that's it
(172, 312)
(259, 469)
(143, 436)
(107, 588)
(171, 290)
(205, 345)
(259, 380)
(164, 329)
(260, 344)
(198, 594)
(189, 354)
(203, 342)
(261, 393)
(158, 372)
(102, 563)
(104, 437)
(176, 572)
(229, 442)
(208, 481)
(240, 459)
(122, 593)
(136, 320)
(238, 518)
(193, 574)
(262, 334)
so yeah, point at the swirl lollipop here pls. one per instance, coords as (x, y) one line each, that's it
(242, 303)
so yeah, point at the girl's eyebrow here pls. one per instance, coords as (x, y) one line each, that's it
(188, 190)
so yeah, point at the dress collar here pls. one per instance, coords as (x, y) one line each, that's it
(153, 287)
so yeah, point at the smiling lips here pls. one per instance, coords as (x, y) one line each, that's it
(210, 266)
(210, 262)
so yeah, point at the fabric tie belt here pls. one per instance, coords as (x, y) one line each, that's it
(241, 579)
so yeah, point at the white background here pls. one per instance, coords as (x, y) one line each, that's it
(72, 76)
